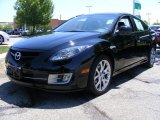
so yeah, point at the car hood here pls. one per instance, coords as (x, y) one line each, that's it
(47, 42)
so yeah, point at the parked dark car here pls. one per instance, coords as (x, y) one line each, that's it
(8, 31)
(156, 28)
(84, 52)
(16, 32)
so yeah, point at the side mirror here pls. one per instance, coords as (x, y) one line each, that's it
(124, 30)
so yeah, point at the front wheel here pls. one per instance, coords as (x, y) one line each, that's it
(1, 39)
(100, 75)
(151, 57)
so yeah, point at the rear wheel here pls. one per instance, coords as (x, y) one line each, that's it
(151, 57)
(100, 75)
(1, 39)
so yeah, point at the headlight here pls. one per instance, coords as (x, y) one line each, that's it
(68, 52)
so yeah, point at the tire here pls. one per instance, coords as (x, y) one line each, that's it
(1, 39)
(151, 57)
(100, 76)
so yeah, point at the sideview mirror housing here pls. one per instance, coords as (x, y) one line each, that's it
(124, 30)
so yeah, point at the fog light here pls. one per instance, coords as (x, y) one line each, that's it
(59, 78)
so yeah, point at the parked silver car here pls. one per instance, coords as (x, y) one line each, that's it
(4, 37)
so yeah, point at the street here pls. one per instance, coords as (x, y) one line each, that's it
(134, 95)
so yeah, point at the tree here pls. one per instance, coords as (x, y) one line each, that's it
(1, 27)
(146, 22)
(8, 27)
(33, 12)
(44, 27)
(156, 23)
(18, 23)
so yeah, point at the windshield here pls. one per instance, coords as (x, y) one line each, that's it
(87, 23)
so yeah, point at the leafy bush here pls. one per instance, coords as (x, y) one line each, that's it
(3, 49)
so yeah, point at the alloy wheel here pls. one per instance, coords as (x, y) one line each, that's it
(102, 75)
(152, 56)
(1, 39)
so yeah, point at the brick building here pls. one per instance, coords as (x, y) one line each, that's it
(55, 22)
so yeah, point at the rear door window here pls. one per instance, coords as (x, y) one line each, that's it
(138, 24)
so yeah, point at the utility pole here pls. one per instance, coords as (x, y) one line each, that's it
(157, 21)
(89, 8)
(133, 7)
(148, 15)
(60, 17)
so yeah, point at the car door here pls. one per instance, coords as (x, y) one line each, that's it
(143, 38)
(125, 45)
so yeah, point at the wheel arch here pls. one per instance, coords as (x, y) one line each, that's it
(109, 54)
(99, 56)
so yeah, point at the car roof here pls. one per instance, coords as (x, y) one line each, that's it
(115, 14)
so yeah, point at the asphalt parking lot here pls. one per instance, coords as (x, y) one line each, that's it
(134, 95)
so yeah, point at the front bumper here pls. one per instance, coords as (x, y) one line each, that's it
(35, 73)
(53, 88)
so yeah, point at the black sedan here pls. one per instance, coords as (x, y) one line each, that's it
(83, 53)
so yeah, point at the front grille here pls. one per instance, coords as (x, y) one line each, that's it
(28, 76)
(27, 73)
(24, 74)
(25, 55)
(31, 76)
(13, 74)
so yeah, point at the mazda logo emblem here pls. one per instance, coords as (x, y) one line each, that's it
(17, 56)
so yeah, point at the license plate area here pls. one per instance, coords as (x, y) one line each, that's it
(14, 72)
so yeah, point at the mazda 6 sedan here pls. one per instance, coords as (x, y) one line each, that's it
(83, 53)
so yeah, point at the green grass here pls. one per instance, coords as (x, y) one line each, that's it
(3, 49)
